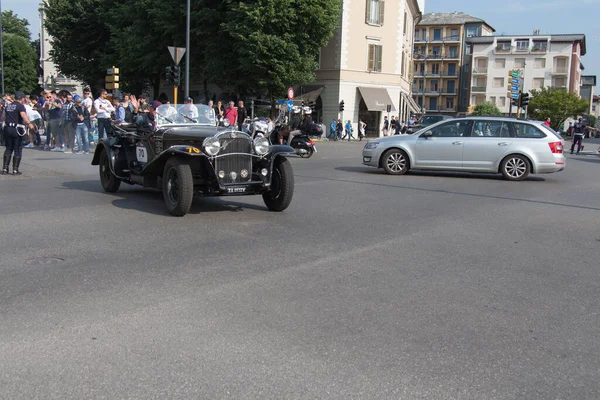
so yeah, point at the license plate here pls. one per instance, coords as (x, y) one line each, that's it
(233, 190)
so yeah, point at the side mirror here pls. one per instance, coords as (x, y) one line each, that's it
(427, 134)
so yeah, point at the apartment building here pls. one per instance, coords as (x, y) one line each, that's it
(52, 78)
(544, 60)
(367, 64)
(587, 89)
(439, 57)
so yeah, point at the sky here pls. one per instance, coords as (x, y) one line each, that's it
(509, 17)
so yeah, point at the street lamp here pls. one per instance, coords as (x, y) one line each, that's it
(1, 49)
(187, 51)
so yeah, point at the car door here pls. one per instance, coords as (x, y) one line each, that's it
(444, 148)
(488, 142)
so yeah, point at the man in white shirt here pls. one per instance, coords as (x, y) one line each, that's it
(33, 116)
(103, 108)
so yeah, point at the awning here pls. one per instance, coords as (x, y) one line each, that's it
(308, 93)
(376, 99)
(412, 105)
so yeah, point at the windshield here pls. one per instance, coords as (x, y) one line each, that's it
(431, 119)
(199, 114)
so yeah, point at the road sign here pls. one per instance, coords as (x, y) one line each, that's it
(176, 53)
(112, 86)
(112, 71)
(514, 88)
(515, 81)
(514, 95)
(290, 93)
(111, 78)
(515, 74)
(290, 104)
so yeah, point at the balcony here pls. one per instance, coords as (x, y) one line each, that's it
(452, 38)
(449, 92)
(420, 40)
(478, 89)
(480, 71)
(560, 71)
(502, 49)
(433, 74)
(539, 49)
(434, 56)
(450, 74)
(432, 92)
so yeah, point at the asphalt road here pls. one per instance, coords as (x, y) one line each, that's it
(427, 286)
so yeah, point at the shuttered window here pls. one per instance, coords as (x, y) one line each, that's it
(375, 53)
(375, 10)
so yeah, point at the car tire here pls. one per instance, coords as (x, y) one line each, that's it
(110, 183)
(178, 187)
(280, 194)
(395, 162)
(515, 168)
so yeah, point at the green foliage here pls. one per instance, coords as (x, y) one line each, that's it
(592, 120)
(20, 64)
(487, 109)
(11, 23)
(558, 104)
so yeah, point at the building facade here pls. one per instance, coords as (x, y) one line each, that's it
(544, 61)
(439, 60)
(587, 89)
(367, 64)
(51, 78)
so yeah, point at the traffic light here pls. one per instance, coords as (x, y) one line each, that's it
(169, 75)
(515, 102)
(342, 105)
(524, 100)
(176, 76)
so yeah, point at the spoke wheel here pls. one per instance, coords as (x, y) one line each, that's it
(395, 162)
(515, 168)
(178, 187)
(110, 183)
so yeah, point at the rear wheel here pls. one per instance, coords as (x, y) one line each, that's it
(309, 152)
(110, 183)
(279, 197)
(395, 162)
(178, 187)
(515, 168)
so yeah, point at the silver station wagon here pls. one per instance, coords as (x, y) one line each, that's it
(515, 148)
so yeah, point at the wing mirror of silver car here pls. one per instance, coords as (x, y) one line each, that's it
(428, 134)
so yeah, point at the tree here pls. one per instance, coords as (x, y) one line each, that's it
(487, 109)
(81, 41)
(558, 104)
(20, 66)
(266, 45)
(592, 120)
(11, 23)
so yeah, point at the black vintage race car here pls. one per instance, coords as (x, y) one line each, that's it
(184, 153)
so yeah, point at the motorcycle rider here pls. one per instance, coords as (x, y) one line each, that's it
(294, 124)
(16, 122)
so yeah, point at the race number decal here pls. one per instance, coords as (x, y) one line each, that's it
(141, 154)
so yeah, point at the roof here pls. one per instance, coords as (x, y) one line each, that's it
(450, 18)
(560, 38)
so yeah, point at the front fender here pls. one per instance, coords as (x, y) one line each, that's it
(156, 166)
(102, 145)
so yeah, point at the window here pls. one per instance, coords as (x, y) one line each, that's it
(433, 103)
(493, 100)
(449, 103)
(405, 17)
(540, 46)
(502, 102)
(539, 63)
(434, 85)
(471, 32)
(375, 53)
(437, 34)
(490, 129)
(452, 128)
(453, 52)
(522, 45)
(593, 108)
(527, 131)
(519, 63)
(500, 63)
(498, 82)
(560, 83)
(435, 69)
(538, 83)
(454, 34)
(375, 12)
(403, 62)
(560, 65)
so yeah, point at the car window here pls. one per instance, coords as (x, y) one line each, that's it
(490, 129)
(454, 128)
(527, 131)
(431, 119)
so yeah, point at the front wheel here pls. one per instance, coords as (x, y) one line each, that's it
(395, 162)
(515, 168)
(110, 183)
(309, 153)
(279, 197)
(178, 187)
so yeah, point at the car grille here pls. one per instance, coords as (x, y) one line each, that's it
(235, 156)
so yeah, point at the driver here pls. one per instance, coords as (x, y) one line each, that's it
(146, 122)
(293, 126)
(189, 110)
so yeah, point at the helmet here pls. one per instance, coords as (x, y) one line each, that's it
(307, 110)
(296, 110)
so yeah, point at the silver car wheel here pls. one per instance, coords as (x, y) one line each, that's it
(396, 162)
(515, 167)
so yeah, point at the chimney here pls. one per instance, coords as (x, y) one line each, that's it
(536, 32)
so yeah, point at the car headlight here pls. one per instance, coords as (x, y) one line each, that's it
(261, 146)
(371, 145)
(226, 122)
(212, 146)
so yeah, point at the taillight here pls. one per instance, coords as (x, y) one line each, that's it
(311, 142)
(556, 147)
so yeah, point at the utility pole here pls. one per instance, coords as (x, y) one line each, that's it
(187, 51)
